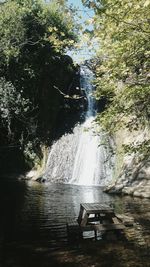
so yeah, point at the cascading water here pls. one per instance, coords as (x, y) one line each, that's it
(89, 167)
(78, 158)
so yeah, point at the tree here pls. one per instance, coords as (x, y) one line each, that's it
(122, 31)
(34, 38)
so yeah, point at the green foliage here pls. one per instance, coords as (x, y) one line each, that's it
(34, 36)
(122, 28)
(12, 105)
(123, 33)
(12, 32)
(141, 149)
(129, 107)
(33, 22)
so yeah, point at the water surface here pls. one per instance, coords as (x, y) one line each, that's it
(33, 227)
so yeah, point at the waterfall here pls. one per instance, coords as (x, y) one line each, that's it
(78, 158)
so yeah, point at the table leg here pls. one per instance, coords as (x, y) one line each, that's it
(84, 220)
(80, 215)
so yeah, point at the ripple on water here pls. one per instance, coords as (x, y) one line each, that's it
(35, 221)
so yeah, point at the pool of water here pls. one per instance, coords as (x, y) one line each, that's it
(33, 227)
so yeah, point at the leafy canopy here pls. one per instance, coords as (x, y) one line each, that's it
(34, 36)
(122, 28)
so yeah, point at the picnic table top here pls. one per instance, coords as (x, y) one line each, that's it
(96, 208)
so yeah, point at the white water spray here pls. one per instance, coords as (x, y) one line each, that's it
(78, 158)
(89, 166)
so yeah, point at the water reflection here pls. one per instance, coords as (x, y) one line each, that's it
(33, 218)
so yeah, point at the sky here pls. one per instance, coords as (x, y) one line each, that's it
(86, 14)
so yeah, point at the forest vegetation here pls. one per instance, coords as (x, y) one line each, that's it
(33, 43)
(122, 29)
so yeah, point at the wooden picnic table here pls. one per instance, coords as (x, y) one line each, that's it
(94, 212)
(95, 217)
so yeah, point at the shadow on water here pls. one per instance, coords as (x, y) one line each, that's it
(33, 227)
(11, 200)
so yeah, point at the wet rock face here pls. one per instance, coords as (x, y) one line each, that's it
(134, 177)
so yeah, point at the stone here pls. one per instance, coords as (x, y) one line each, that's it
(128, 190)
(136, 194)
(31, 174)
(119, 187)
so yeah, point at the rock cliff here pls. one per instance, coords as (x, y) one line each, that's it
(131, 171)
